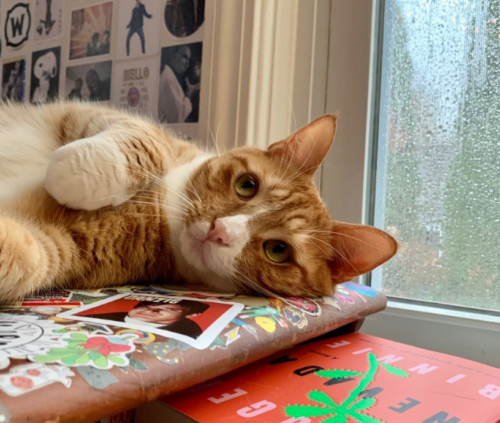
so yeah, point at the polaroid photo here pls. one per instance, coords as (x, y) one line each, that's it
(89, 82)
(139, 24)
(91, 31)
(196, 322)
(45, 69)
(48, 19)
(180, 79)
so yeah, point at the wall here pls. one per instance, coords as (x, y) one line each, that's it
(51, 55)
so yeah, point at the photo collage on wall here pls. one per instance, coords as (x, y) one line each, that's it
(141, 55)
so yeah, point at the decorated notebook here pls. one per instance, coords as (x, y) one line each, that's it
(354, 378)
(81, 356)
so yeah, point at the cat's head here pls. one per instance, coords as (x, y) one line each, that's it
(258, 223)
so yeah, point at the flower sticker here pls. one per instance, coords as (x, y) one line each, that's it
(101, 352)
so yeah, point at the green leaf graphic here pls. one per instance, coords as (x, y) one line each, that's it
(308, 411)
(94, 356)
(363, 418)
(338, 374)
(322, 397)
(364, 403)
(341, 418)
(138, 365)
(70, 360)
(79, 336)
(394, 370)
(45, 358)
(101, 362)
(116, 359)
(83, 359)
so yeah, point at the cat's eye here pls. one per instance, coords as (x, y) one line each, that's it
(246, 186)
(277, 251)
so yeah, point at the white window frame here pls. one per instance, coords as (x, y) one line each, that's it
(458, 331)
(271, 66)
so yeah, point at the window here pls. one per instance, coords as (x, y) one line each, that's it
(438, 168)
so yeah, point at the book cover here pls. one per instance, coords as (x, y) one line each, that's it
(112, 353)
(352, 378)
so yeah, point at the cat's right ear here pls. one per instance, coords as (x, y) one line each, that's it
(307, 148)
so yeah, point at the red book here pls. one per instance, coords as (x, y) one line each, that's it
(348, 379)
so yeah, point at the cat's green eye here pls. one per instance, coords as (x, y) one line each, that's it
(246, 186)
(277, 251)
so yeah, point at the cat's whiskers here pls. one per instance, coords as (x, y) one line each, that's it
(214, 140)
(254, 286)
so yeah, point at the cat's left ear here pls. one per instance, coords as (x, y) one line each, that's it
(358, 249)
(308, 147)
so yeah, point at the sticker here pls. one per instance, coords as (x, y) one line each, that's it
(180, 79)
(218, 343)
(89, 82)
(343, 298)
(250, 329)
(23, 335)
(91, 31)
(330, 301)
(90, 328)
(101, 352)
(266, 323)
(251, 301)
(30, 377)
(141, 337)
(250, 312)
(184, 18)
(138, 28)
(295, 316)
(307, 305)
(48, 19)
(98, 379)
(134, 85)
(161, 349)
(14, 81)
(138, 365)
(232, 335)
(195, 322)
(17, 25)
(45, 75)
(360, 289)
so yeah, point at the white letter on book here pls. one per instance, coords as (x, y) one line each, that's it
(490, 391)
(227, 396)
(423, 369)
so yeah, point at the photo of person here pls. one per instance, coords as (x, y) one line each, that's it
(45, 75)
(184, 17)
(180, 79)
(48, 19)
(14, 81)
(196, 322)
(138, 28)
(91, 31)
(89, 82)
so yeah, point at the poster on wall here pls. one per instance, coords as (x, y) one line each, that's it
(180, 78)
(89, 82)
(91, 31)
(14, 80)
(138, 28)
(48, 19)
(45, 69)
(134, 85)
(17, 25)
(184, 17)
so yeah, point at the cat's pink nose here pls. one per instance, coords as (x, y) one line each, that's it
(218, 234)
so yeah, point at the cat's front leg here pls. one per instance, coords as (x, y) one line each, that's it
(90, 173)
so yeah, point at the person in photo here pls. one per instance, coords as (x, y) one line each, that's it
(13, 88)
(76, 93)
(172, 317)
(99, 89)
(93, 47)
(136, 25)
(176, 90)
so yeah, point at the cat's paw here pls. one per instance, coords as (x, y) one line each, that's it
(88, 174)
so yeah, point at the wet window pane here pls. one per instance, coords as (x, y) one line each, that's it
(438, 168)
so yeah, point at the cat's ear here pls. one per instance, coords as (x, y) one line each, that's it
(358, 249)
(307, 148)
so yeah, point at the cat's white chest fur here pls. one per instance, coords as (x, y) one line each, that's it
(198, 259)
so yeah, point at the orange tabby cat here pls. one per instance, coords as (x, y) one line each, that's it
(93, 197)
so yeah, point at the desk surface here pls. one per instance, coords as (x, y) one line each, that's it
(53, 370)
